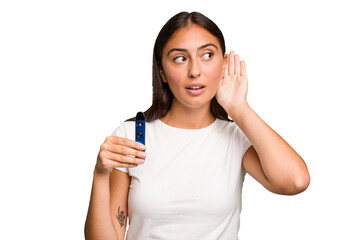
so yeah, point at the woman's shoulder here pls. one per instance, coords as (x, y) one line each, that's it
(229, 125)
(122, 129)
(229, 128)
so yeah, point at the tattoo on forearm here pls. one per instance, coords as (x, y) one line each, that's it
(120, 217)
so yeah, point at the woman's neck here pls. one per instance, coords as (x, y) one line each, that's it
(188, 118)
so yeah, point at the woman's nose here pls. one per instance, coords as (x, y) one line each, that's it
(194, 69)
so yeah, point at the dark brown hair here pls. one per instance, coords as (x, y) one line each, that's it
(162, 95)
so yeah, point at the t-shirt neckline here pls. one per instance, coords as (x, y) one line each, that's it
(187, 129)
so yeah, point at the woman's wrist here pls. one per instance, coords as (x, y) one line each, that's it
(101, 172)
(236, 110)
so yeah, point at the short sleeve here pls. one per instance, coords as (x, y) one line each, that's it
(120, 132)
(246, 143)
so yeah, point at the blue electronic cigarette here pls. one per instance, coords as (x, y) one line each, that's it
(140, 128)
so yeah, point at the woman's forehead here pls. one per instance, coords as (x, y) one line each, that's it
(191, 36)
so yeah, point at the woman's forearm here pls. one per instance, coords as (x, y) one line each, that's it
(281, 164)
(98, 222)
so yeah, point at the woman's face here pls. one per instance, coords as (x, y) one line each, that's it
(192, 65)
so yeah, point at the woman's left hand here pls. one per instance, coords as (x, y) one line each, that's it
(233, 85)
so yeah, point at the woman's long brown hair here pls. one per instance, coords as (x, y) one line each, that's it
(162, 95)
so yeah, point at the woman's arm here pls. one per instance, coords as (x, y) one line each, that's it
(107, 214)
(271, 160)
(119, 191)
(99, 224)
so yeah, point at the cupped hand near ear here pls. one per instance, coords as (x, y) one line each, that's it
(233, 85)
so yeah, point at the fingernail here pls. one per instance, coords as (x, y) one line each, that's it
(142, 147)
(141, 161)
(143, 154)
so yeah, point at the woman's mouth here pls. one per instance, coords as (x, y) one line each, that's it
(195, 90)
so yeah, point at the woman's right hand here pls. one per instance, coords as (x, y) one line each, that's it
(119, 152)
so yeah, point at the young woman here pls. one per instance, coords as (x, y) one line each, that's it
(189, 186)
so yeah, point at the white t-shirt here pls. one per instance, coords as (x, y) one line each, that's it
(190, 184)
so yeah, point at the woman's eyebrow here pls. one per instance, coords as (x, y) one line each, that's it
(185, 50)
(207, 45)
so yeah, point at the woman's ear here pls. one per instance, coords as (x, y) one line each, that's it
(162, 74)
(224, 66)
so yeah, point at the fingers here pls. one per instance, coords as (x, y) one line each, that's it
(121, 159)
(231, 63)
(123, 146)
(242, 68)
(125, 142)
(237, 65)
(234, 66)
(108, 160)
(120, 152)
(124, 150)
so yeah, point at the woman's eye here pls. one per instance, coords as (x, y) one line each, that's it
(179, 59)
(208, 55)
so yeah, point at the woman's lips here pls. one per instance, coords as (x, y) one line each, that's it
(195, 91)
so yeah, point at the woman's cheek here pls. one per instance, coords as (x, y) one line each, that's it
(216, 74)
